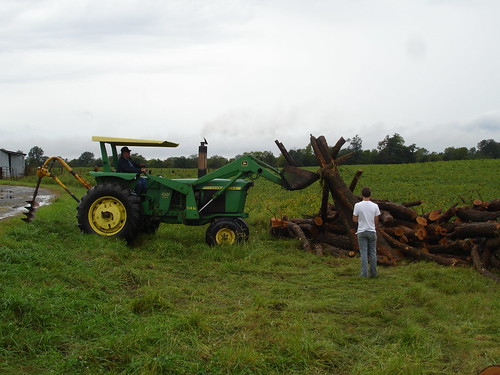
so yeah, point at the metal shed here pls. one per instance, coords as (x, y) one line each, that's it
(11, 164)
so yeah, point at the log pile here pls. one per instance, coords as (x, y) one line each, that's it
(458, 236)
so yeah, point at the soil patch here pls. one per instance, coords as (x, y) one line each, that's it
(13, 199)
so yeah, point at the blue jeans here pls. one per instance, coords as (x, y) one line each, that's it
(140, 187)
(368, 250)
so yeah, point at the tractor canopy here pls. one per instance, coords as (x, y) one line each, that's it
(113, 142)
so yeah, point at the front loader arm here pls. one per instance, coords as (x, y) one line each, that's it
(245, 167)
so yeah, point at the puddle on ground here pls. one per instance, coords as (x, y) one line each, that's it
(13, 199)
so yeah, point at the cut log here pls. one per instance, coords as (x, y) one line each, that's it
(397, 210)
(494, 205)
(309, 230)
(455, 247)
(318, 221)
(335, 227)
(318, 249)
(336, 251)
(473, 230)
(447, 215)
(301, 220)
(285, 153)
(355, 180)
(479, 266)
(469, 214)
(417, 253)
(434, 215)
(417, 234)
(485, 256)
(337, 147)
(342, 159)
(421, 220)
(324, 149)
(412, 204)
(479, 204)
(299, 233)
(386, 218)
(317, 152)
(384, 261)
(493, 243)
(324, 204)
(336, 240)
(395, 231)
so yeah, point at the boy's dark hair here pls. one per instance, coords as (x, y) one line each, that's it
(366, 192)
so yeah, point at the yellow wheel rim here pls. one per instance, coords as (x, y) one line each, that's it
(107, 216)
(225, 236)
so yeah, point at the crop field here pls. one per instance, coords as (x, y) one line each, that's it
(169, 304)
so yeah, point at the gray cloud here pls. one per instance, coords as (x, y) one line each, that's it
(489, 122)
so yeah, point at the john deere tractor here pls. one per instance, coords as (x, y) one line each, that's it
(112, 208)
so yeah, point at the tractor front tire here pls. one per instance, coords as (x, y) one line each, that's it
(110, 210)
(226, 232)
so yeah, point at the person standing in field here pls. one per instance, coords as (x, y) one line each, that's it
(366, 215)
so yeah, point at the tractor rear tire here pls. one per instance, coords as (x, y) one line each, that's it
(110, 210)
(225, 232)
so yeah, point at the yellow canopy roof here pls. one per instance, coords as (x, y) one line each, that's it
(134, 142)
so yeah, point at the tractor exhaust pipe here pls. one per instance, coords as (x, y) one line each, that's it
(202, 158)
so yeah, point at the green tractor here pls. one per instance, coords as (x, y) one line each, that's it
(112, 208)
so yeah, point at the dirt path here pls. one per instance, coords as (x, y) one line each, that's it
(13, 199)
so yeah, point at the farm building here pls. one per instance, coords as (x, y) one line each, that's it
(11, 164)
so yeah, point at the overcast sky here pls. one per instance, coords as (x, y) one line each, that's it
(242, 73)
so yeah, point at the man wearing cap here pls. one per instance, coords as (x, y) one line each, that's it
(126, 164)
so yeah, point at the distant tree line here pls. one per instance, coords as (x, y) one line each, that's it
(390, 150)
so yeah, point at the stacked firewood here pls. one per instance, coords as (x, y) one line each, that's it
(458, 236)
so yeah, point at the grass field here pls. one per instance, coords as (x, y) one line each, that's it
(82, 304)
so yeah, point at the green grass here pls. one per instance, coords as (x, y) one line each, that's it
(81, 304)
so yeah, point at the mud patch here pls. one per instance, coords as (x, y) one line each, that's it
(13, 199)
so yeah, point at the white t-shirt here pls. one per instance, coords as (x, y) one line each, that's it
(366, 212)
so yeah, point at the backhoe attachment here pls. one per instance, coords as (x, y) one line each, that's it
(42, 172)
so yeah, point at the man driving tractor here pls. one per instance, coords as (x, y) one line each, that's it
(126, 164)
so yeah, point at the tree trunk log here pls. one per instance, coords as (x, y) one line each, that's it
(479, 266)
(337, 240)
(337, 147)
(460, 247)
(469, 214)
(397, 210)
(355, 180)
(419, 253)
(386, 218)
(494, 205)
(472, 230)
(447, 215)
(342, 159)
(412, 204)
(297, 231)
